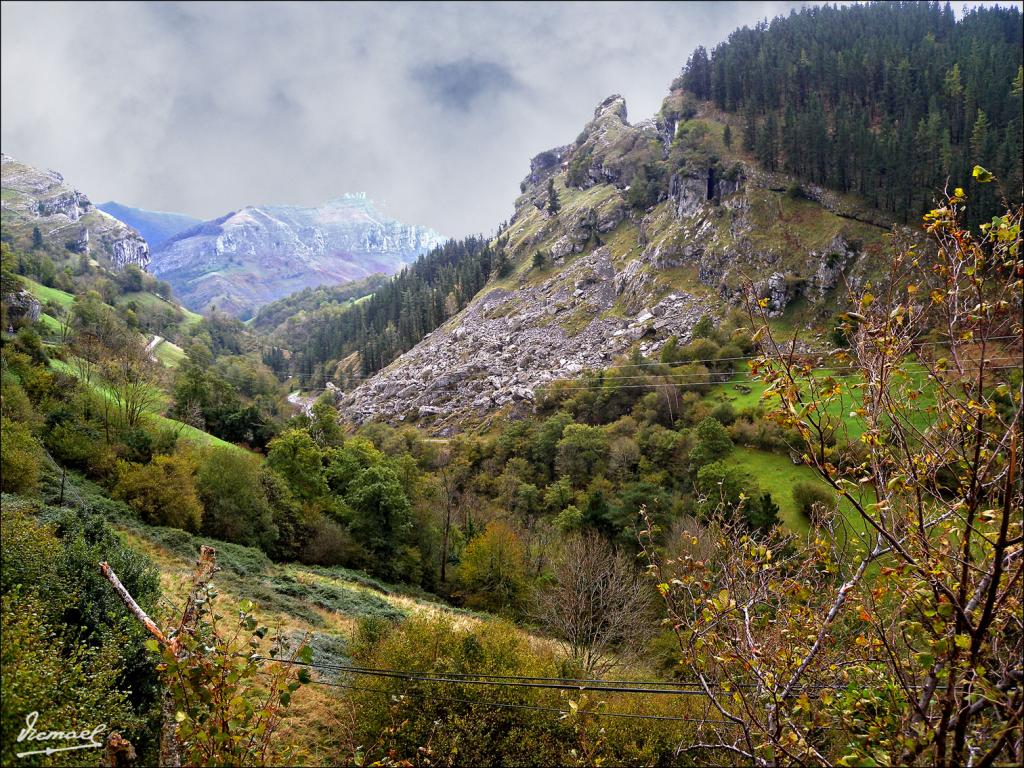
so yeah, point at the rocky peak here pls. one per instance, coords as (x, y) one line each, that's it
(614, 106)
(65, 217)
(546, 163)
(620, 272)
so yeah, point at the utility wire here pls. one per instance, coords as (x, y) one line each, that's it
(570, 682)
(825, 353)
(602, 686)
(531, 707)
(673, 379)
(513, 706)
(604, 371)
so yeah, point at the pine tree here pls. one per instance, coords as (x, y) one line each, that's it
(553, 204)
(37, 239)
(727, 136)
(749, 131)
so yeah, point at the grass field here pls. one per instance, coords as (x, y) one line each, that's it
(50, 324)
(185, 431)
(45, 294)
(778, 475)
(171, 355)
(150, 301)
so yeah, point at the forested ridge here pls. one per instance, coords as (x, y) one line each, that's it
(886, 100)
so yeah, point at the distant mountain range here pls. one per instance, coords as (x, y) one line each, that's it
(251, 257)
(155, 226)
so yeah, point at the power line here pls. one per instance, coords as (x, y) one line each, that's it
(530, 707)
(513, 681)
(825, 353)
(711, 377)
(733, 377)
(363, 377)
(512, 705)
(571, 682)
(606, 375)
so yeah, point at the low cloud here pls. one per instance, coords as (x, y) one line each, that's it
(464, 84)
(435, 108)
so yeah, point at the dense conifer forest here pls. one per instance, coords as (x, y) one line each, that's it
(396, 316)
(887, 100)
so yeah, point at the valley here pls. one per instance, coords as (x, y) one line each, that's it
(707, 454)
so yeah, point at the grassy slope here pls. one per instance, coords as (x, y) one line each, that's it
(184, 430)
(777, 475)
(147, 300)
(45, 294)
(302, 598)
(170, 354)
(50, 324)
(171, 357)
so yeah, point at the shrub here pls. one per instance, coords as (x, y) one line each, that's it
(457, 731)
(234, 502)
(493, 570)
(20, 458)
(69, 648)
(711, 443)
(14, 403)
(163, 492)
(722, 486)
(724, 413)
(75, 442)
(47, 670)
(395, 727)
(331, 544)
(814, 501)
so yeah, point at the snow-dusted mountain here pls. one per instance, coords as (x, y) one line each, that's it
(250, 257)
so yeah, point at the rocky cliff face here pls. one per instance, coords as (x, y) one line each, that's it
(623, 270)
(249, 258)
(21, 308)
(510, 341)
(65, 217)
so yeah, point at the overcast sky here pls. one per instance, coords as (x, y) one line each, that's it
(433, 109)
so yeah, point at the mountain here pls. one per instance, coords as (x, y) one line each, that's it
(35, 200)
(778, 165)
(155, 226)
(251, 257)
(657, 225)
